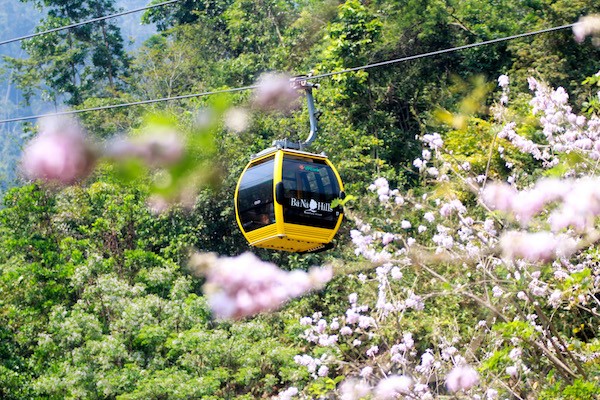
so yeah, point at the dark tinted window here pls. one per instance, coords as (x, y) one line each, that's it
(255, 196)
(309, 188)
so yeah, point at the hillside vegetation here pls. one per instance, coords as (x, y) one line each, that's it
(466, 266)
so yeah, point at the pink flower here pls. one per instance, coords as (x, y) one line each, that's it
(533, 84)
(275, 92)
(429, 217)
(372, 351)
(345, 331)
(352, 298)
(387, 238)
(241, 286)
(393, 386)
(159, 147)
(462, 378)
(323, 370)
(353, 389)
(499, 196)
(60, 153)
(586, 26)
(512, 371)
(288, 393)
(536, 247)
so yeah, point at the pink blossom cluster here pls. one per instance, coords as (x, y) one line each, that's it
(382, 188)
(388, 388)
(274, 91)
(433, 140)
(564, 130)
(357, 329)
(157, 147)
(61, 153)
(242, 286)
(527, 146)
(577, 202)
(588, 26)
(366, 242)
(316, 366)
(287, 394)
(340, 329)
(385, 247)
(388, 365)
(404, 351)
(462, 378)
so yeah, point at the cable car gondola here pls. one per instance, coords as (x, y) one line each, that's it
(283, 197)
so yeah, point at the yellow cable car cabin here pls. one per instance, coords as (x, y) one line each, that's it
(283, 201)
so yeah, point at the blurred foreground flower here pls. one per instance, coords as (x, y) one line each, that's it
(578, 202)
(275, 92)
(392, 387)
(537, 246)
(461, 378)
(236, 119)
(242, 286)
(354, 389)
(588, 26)
(60, 153)
(156, 148)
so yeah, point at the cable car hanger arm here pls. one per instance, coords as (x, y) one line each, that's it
(301, 83)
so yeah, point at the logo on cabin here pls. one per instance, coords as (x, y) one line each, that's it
(308, 168)
(311, 207)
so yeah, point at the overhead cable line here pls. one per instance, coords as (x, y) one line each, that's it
(437, 52)
(61, 28)
(238, 89)
(135, 103)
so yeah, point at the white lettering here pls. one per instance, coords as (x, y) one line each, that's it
(311, 206)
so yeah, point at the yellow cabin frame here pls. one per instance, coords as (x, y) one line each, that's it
(282, 235)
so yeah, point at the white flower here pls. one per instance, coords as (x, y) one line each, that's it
(288, 393)
(345, 331)
(372, 351)
(497, 292)
(512, 371)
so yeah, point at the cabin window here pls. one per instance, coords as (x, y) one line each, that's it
(255, 196)
(310, 186)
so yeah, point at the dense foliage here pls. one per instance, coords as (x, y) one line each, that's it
(447, 282)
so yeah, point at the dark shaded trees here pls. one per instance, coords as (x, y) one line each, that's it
(74, 64)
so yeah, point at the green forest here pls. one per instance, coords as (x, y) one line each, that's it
(466, 265)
